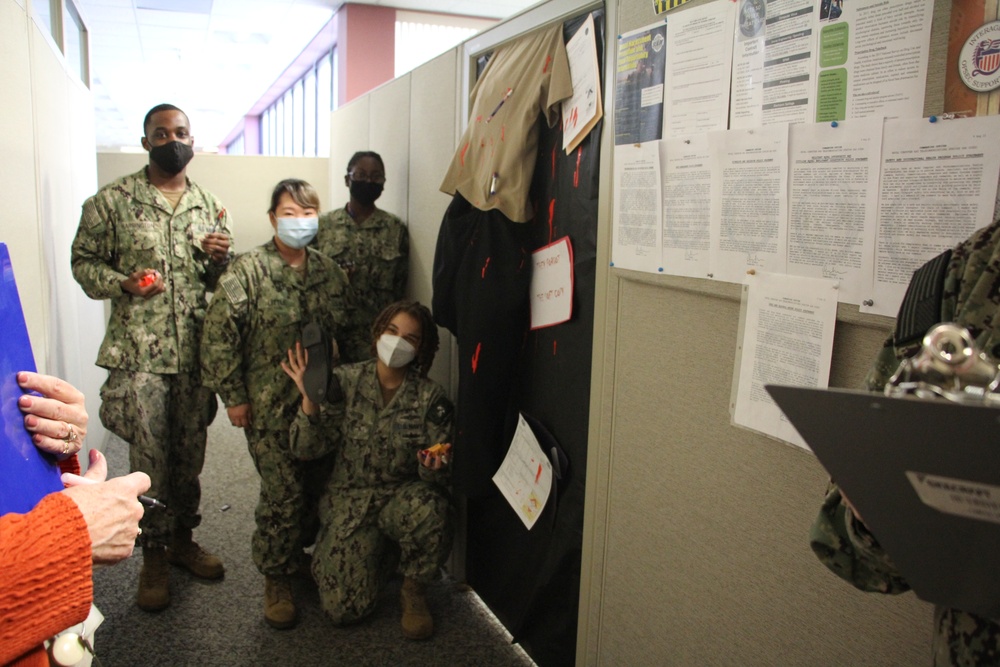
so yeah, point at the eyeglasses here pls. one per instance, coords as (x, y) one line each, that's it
(361, 176)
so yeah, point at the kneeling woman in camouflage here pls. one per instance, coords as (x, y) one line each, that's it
(378, 419)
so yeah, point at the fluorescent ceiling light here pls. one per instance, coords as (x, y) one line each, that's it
(186, 6)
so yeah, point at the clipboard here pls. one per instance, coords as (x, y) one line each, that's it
(924, 474)
(26, 474)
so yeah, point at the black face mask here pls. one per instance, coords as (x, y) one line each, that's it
(366, 192)
(172, 157)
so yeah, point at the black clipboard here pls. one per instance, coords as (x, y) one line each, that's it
(924, 474)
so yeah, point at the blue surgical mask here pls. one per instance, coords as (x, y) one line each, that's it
(297, 232)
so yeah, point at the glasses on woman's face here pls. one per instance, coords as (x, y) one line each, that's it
(359, 175)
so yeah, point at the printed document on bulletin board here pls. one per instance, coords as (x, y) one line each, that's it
(786, 338)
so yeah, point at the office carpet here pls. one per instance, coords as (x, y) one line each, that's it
(221, 624)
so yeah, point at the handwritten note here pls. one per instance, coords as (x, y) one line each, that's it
(552, 284)
(525, 476)
(582, 111)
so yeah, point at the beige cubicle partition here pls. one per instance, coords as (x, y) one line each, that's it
(410, 122)
(696, 533)
(242, 182)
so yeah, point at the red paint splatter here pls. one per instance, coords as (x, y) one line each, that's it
(479, 118)
(555, 343)
(503, 131)
(485, 266)
(548, 59)
(552, 218)
(576, 174)
(475, 357)
(538, 475)
(524, 256)
(462, 156)
(553, 163)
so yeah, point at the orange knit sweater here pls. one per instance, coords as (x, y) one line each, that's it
(45, 576)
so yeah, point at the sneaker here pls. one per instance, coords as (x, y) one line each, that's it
(154, 580)
(417, 622)
(279, 609)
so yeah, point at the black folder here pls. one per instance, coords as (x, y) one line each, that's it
(924, 475)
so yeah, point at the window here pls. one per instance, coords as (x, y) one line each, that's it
(310, 112)
(75, 42)
(298, 122)
(421, 37)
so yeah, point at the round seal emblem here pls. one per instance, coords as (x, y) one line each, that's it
(658, 41)
(979, 62)
(751, 17)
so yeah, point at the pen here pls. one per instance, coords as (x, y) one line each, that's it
(152, 502)
(502, 100)
(145, 500)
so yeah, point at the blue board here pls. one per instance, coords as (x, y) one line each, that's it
(26, 474)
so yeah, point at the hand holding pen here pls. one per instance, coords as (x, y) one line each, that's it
(111, 508)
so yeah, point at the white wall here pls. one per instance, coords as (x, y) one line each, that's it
(49, 147)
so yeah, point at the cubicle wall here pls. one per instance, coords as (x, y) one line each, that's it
(696, 540)
(411, 123)
(48, 149)
(242, 182)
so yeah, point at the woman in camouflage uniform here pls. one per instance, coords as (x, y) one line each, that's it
(379, 418)
(265, 299)
(371, 245)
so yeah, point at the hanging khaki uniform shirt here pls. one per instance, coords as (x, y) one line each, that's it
(496, 156)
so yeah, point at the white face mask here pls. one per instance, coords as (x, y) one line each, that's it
(395, 352)
(297, 232)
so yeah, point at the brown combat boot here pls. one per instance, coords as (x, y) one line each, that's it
(186, 553)
(417, 621)
(154, 580)
(279, 609)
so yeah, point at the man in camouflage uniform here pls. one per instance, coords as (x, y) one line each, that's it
(383, 488)
(154, 243)
(961, 286)
(264, 301)
(371, 245)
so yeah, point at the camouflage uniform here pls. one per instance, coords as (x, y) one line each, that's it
(971, 298)
(375, 255)
(257, 316)
(378, 492)
(153, 398)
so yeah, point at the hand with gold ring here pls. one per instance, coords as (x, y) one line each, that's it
(57, 419)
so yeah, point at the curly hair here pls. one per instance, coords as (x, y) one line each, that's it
(429, 341)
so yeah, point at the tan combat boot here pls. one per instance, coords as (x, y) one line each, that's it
(279, 609)
(154, 580)
(417, 621)
(186, 553)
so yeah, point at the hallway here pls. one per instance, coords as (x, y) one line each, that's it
(221, 624)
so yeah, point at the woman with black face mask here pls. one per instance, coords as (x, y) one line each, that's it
(371, 245)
